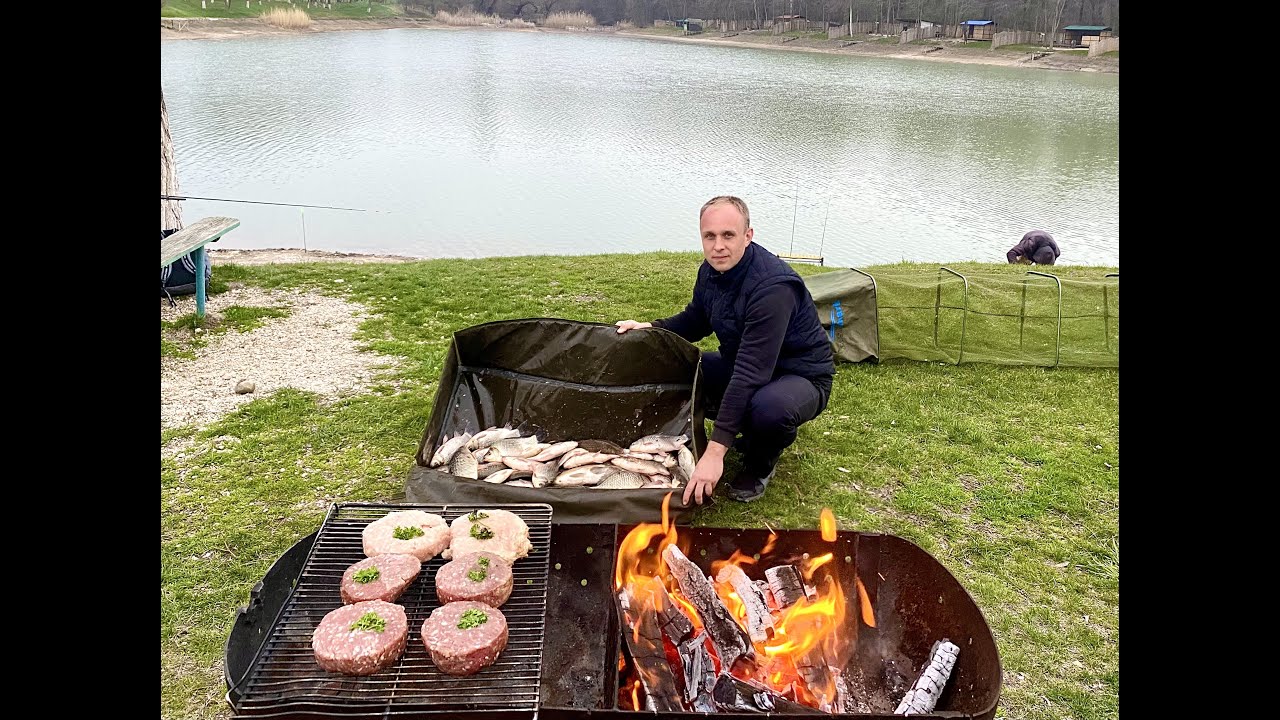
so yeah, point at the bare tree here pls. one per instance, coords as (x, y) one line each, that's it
(1056, 8)
(170, 210)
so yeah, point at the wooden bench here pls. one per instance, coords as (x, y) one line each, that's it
(191, 238)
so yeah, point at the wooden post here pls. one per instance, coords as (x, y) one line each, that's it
(170, 210)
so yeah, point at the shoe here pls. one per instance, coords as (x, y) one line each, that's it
(748, 486)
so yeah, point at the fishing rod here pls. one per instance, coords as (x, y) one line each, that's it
(260, 202)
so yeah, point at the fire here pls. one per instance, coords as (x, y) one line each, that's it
(815, 563)
(805, 636)
(827, 523)
(806, 625)
(868, 616)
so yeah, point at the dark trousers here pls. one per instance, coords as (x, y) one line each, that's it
(776, 412)
(1044, 256)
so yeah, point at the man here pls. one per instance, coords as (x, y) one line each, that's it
(774, 368)
(1036, 247)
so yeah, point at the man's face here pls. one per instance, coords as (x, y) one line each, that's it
(725, 236)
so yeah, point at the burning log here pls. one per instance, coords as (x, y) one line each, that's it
(813, 666)
(759, 621)
(923, 695)
(699, 674)
(647, 652)
(733, 694)
(730, 640)
(786, 584)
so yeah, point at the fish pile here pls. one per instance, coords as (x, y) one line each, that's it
(503, 456)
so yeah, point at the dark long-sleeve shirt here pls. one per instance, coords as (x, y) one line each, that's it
(766, 323)
(1030, 244)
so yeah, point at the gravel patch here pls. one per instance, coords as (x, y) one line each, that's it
(312, 349)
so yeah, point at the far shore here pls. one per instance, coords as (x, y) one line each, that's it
(951, 51)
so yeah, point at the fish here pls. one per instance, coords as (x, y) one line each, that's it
(518, 463)
(600, 446)
(576, 452)
(555, 451)
(584, 476)
(658, 443)
(543, 474)
(485, 438)
(623, 480)
(500, 476)
(684, 456)
(446, 451)
(486, 469)
(587, 459)
(644, 467)
(516, 447)
(519, 483)
(463, 464)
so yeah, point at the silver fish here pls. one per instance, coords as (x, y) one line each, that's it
(584, 476)
(479, 454)
(587, 459)
(447, 450)
(654, 482)
(515, 447)
(519, 483)
(600, 446)
(668, 460)
(684, 456)
(463, 465)
(642, 456)
(543, 474)
(576, 452)
(644, 467)
(658, 443)
(555, 451)
(500, 476)
(526, 464)
(487, 469)
(485, 438)
(678, 478)
(623, 480)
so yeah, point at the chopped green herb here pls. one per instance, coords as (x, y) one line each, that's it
(472, 619)
(370, 621)
(481, 532)
(367, 575)
(484, 562)
(477, 575)
(408, 533)
(477, 515)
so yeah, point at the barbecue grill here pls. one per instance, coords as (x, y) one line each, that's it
(916, 600)
(283, 679)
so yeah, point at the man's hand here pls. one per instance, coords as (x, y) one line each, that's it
(707, 474)
(625, 325)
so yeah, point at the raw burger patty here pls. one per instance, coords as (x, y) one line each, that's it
(395, 573)
(465, 578)
(458, 651)
(340, 649)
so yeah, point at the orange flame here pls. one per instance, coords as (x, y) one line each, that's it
(768, 547)
(808, 625)
(815, 563)
(827, 523)
(868, 616)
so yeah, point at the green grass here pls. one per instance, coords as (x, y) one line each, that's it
(1111, 53)
(1022, 47)
(1009, 476)
(1073, 52)
(662, 31)
(217, 8)
(178, 338)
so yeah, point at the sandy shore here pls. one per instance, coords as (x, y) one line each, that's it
(280, 256)
(954, 52)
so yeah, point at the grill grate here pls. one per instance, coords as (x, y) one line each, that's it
(284, 678)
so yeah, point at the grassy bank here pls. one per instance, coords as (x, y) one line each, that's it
(1008, 475)
(237, 9)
